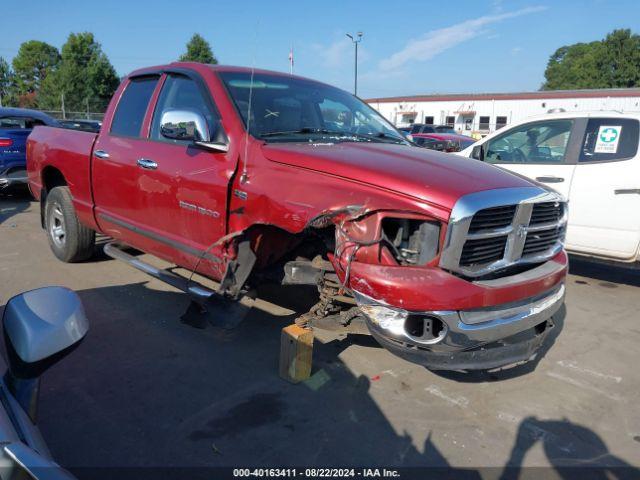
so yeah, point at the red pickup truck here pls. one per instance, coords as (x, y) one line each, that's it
(245, 176)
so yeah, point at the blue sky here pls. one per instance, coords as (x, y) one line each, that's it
(408, 47)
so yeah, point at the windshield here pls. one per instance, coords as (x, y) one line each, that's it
(288, 109)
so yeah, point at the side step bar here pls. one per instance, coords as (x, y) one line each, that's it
(198, 292)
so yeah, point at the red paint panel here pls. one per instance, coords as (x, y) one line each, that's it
(67, 151)
(430, 288)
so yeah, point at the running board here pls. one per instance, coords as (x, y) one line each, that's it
(197, 291)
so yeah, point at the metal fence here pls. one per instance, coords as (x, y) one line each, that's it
(65, 115)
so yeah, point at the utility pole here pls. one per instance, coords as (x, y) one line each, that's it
(355, 42)
(64, 116)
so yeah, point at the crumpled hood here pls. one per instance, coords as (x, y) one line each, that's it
(434, 177)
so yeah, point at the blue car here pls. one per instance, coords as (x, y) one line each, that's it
(15, 126)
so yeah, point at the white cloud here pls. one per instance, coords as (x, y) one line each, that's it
(516, 50)
(339, 53)
(335, 54)
(497, 5)
(437, 41)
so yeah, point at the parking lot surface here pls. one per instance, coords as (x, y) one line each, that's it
(144, 389)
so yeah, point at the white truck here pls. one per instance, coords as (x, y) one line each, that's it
(592, 159)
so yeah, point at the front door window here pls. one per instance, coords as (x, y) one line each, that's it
(539, 143)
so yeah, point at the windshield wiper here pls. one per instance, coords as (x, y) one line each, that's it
(307, 130)
(302, 131)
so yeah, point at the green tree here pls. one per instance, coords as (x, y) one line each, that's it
(6, 78)
(621, 59)
(610, 63)
(84, 76)
(31, 66)
(198, 50)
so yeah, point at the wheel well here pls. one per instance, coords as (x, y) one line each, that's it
(272, 244)
(51, 178)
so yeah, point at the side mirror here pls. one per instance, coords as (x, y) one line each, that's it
(477, 152)
(185, 125)
(40, 327)
(191, 126)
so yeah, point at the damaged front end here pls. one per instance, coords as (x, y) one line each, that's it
(476, 292)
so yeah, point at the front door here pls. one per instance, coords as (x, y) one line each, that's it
(183, 187)
(605, 192)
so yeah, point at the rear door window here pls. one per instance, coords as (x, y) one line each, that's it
(132, 107)
(609, 139)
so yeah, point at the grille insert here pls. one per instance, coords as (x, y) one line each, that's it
(538, 242)
(484, 250)
(547, 212)
(492, 218)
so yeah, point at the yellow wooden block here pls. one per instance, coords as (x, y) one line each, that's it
(296, 353)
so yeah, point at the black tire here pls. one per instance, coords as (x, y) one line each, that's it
(69, 240)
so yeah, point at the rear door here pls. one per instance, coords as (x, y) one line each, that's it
(543, 151)
(605, 192)
(115, 184)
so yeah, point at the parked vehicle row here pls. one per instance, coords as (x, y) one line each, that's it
(444, 142)
(246, 177)
(427, 128)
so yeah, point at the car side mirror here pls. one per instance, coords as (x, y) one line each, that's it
(190, 126)
(477, 152)
(185, 125)
(41, 327)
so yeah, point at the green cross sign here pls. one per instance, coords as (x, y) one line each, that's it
(609, 135)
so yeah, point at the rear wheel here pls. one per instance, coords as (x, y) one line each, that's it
(69, 240)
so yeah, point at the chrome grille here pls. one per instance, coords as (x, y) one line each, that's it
(492, 230)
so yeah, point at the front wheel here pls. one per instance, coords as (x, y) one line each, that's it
(69, 240)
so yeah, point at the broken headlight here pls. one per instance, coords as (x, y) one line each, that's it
(413, 241)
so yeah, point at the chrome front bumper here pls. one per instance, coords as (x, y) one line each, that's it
(465, 333)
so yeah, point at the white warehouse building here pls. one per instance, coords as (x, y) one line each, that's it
(479, 114)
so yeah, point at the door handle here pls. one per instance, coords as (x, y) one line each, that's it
(147, 164)
(550, 179)
(627, 191)
(101, 154)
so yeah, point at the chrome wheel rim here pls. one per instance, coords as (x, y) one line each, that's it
(57, 228)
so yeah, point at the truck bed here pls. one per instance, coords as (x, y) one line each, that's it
(54, 150)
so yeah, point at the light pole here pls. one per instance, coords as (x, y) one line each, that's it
(356, 41)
